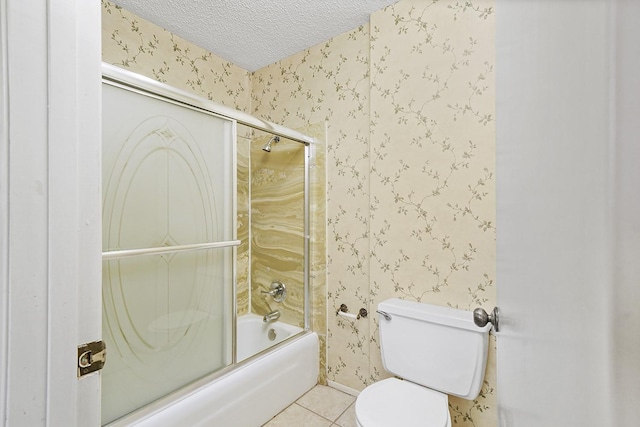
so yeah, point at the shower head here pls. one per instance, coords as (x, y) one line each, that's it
(267, 147)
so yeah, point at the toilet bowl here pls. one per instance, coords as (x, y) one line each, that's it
(394, 402)
(435, 351)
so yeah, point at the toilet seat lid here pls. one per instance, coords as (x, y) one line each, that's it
(394, 402)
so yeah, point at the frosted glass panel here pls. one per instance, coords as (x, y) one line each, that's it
(166, 322)
(167, 173)
(167, 181)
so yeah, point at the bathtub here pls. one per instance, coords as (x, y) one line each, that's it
(255, 336)
(253, 391)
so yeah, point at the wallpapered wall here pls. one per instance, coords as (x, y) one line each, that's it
(409, 101)
(409, 105)
(130, 42)
(432, 163)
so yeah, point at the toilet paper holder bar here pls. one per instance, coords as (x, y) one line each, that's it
(344, 312)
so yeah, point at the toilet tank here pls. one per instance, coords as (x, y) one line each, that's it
(438, 347)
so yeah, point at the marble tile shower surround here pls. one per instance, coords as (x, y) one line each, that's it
(277, 227)
(277, 234)
(409, 106)
(243, 201)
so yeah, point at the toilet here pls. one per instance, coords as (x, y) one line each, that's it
(433, 351)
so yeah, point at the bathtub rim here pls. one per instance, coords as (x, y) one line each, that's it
(171, 399)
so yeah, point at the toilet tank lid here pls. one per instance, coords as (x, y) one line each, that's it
(461, 319)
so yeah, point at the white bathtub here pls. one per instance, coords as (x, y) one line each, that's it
(253, 335)
(251, 393)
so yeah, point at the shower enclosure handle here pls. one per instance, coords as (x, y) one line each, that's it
(278, 291)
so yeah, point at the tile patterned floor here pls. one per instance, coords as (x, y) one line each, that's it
(321, 406)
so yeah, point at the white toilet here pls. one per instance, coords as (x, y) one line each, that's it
(436, 351)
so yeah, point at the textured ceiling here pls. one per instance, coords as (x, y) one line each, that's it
(255, 33)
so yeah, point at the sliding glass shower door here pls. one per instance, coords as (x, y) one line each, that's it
(169, 222)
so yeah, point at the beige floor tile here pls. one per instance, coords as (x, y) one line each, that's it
(296, 415)
(326, 401)
(348, 417)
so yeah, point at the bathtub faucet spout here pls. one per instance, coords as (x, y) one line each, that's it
(271, 317)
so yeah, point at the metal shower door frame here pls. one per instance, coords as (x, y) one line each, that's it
(116, 76)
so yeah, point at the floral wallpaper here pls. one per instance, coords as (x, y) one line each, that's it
(432, 163)
(409, 105)
(408, 101)
(137, 45)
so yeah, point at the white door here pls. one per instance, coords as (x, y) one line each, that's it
(568, 213)
(50, 294)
